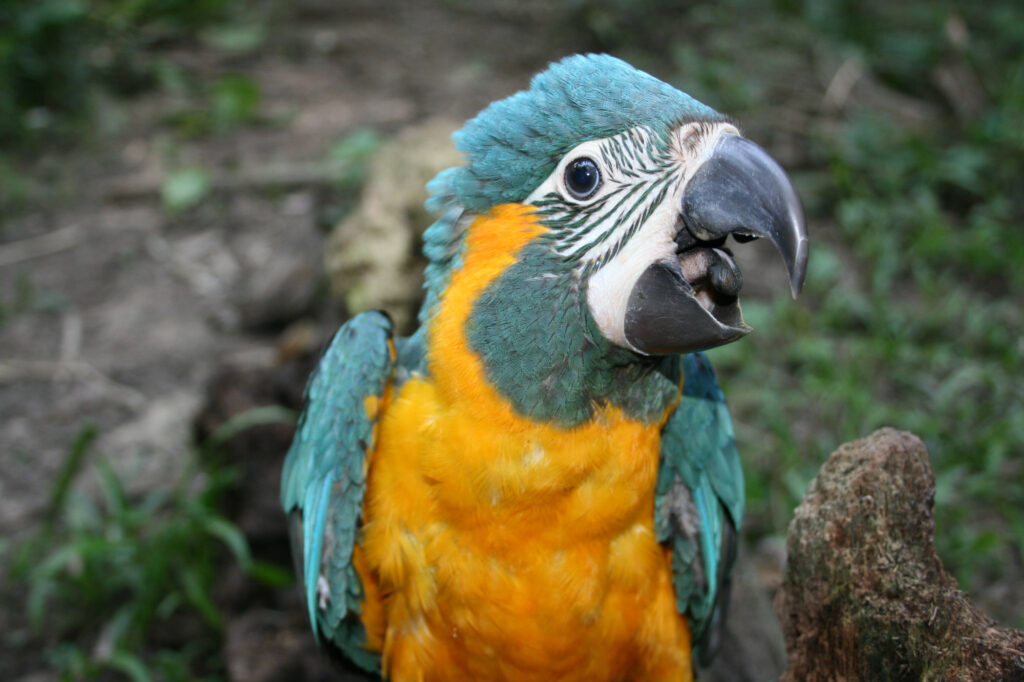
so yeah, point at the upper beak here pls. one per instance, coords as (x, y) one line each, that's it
(690, 302)
(741, 190)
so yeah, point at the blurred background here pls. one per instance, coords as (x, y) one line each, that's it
(195, 193)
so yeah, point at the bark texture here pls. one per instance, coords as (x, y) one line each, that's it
(865, 596)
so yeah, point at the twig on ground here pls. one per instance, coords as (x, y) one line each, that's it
(41, 245)
(70, 370)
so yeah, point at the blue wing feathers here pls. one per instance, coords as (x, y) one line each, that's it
(699, 497)
(715, 442)
(314, 521)
(324, 473)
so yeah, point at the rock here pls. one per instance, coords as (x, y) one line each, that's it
(278, 256)
(373, 257)
(865, 596)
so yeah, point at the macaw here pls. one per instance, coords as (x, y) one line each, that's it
(542, 482)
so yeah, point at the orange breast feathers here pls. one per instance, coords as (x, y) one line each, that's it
(497, 547)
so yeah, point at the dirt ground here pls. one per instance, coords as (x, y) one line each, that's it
(147, 304)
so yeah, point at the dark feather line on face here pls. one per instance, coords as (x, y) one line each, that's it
(634, 227)
(569, 222)
(640, 164)
(574, 231)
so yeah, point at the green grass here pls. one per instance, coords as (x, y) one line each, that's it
(126, 584)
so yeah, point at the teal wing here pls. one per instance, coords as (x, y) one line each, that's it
(699, 502)
(324, 477)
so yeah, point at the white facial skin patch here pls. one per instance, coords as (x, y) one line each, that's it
(632, 218)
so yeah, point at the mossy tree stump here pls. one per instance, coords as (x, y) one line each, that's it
(865, 596)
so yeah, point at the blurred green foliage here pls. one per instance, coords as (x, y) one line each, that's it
(126, 583)
(53, 53)
(353, 154)
(228, 101)
(184, 188)
(42, 69)
(27, 297)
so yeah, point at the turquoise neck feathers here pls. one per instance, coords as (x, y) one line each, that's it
(542, 350)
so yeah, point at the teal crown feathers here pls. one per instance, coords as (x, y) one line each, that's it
(515, 143)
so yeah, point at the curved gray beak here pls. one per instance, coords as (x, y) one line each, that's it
(691, 302)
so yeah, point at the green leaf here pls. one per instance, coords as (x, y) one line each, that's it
(256, 416)
(69, 469)
(199, 596)
(352, 154)
(234, 100)
(270, 574)
(129, 664)
(356, 147)
(168, 605)
(236, 38)
(40, 591)
(170, 76)
(184, 188)
(120, 625)
(112, 489)
(230, 535)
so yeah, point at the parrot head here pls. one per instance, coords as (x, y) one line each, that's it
(639, 187)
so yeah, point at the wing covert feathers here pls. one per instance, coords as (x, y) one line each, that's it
(699, 500)
(324, 477)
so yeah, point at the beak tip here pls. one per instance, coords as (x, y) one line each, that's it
(799, 271)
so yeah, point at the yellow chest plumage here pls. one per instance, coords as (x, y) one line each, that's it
(497, 547)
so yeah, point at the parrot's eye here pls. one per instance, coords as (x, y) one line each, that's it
(582, 178)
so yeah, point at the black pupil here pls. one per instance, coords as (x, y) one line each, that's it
(582, 178)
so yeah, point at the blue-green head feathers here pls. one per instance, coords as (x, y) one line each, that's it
(514, 144)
